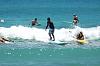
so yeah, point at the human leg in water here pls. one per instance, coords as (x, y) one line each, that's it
(53, 37)
(50, 36)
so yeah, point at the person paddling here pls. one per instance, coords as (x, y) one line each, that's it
(2, 39)
(34, 22)
(80, 36)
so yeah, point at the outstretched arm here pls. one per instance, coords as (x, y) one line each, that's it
(5, 39)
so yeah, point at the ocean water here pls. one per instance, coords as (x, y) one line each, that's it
(30, 46)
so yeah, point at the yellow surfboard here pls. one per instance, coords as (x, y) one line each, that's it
(82, 41)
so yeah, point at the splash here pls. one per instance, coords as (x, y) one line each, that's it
(63, 34)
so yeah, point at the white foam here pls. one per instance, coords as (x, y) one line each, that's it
(38, 34)
(2, 20)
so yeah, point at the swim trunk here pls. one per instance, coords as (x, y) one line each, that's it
(51, 31)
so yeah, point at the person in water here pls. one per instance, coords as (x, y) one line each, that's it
(34, 22)
(2, 39)
(75, 19)
(80, 36)
(51, 29)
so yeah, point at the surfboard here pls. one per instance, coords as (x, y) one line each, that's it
(82, 41)
(7, 42)
(38, 25)
(57, 42)
(63, 43)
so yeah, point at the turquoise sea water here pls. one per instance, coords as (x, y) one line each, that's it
(31, 46)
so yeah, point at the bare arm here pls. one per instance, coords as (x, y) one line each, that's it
(5, 39)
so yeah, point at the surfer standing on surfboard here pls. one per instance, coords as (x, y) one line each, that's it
(75, 20)
(51, 29)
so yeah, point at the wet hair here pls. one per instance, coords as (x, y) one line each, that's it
(81, 33)
(35, 18)
(48, 18)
